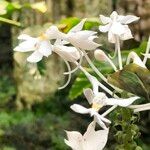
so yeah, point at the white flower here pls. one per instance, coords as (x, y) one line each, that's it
(53, 33)
(82, 39)
(117, 25)
(41, 47)
(68, 53)
(100, 99)
(93, 112)
(136, 59)
(91, 140)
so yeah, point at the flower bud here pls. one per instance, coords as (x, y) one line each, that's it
(100, 55)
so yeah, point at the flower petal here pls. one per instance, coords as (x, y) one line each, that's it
(79, 26)
(79, 109)
(68, 53)
(25, 37)
(127, 34)
(127, 19)
(26, 46)
(100, 122)
(111, 37)
(35, 57)
(54, 33)
(117, 28)
(95, 140)
(104, 28)
(88, 93)
(121, 102)
(147, 55)
(136, 59)
(114, 15)
(104, 19)
(45, 48)
(83, 40)
(75, 140)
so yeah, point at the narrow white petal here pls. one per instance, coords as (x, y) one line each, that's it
(25, 37)
(136, 59)
(95, 84)
(104, 119)
(104, 28)
(79, 109)
(78, 27)
(104, 19)
(88, 93)
(127, 34)
(26, 46)
(35, 57)
(100, 122)
(147, 55)
(127, 19)
(122, 102)
(45, 48)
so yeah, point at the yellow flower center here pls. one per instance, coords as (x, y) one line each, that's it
(43, 37)
(96, 106)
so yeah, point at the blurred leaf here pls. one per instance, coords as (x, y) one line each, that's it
(132, 78)
(69, 23)
(3, 5)
(77, 88)
(41, 67)
(40, 6)
(12, 22)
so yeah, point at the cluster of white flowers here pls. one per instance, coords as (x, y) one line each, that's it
(71, 48)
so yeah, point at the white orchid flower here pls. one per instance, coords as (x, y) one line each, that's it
(91, 140)
(41, 47)
(82, 39)
(100, 99)
(136, 59)
(93, 111)
(117, 25)
(53, 33)
(68, 53)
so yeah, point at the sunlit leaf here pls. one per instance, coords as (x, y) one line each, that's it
(3, 5)
(40, 6)
(12, 22)
(68, 23)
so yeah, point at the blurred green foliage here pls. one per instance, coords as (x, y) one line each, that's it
(8, 8)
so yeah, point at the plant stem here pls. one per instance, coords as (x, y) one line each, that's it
(147, 51)
(109, 110)
(100, 84)
(98, 72)
(117, 46)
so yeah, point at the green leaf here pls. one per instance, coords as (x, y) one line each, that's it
(77, 88)
(41, 66)
(69, 23)
(40, 6)
(12, 22)
(132, 78)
